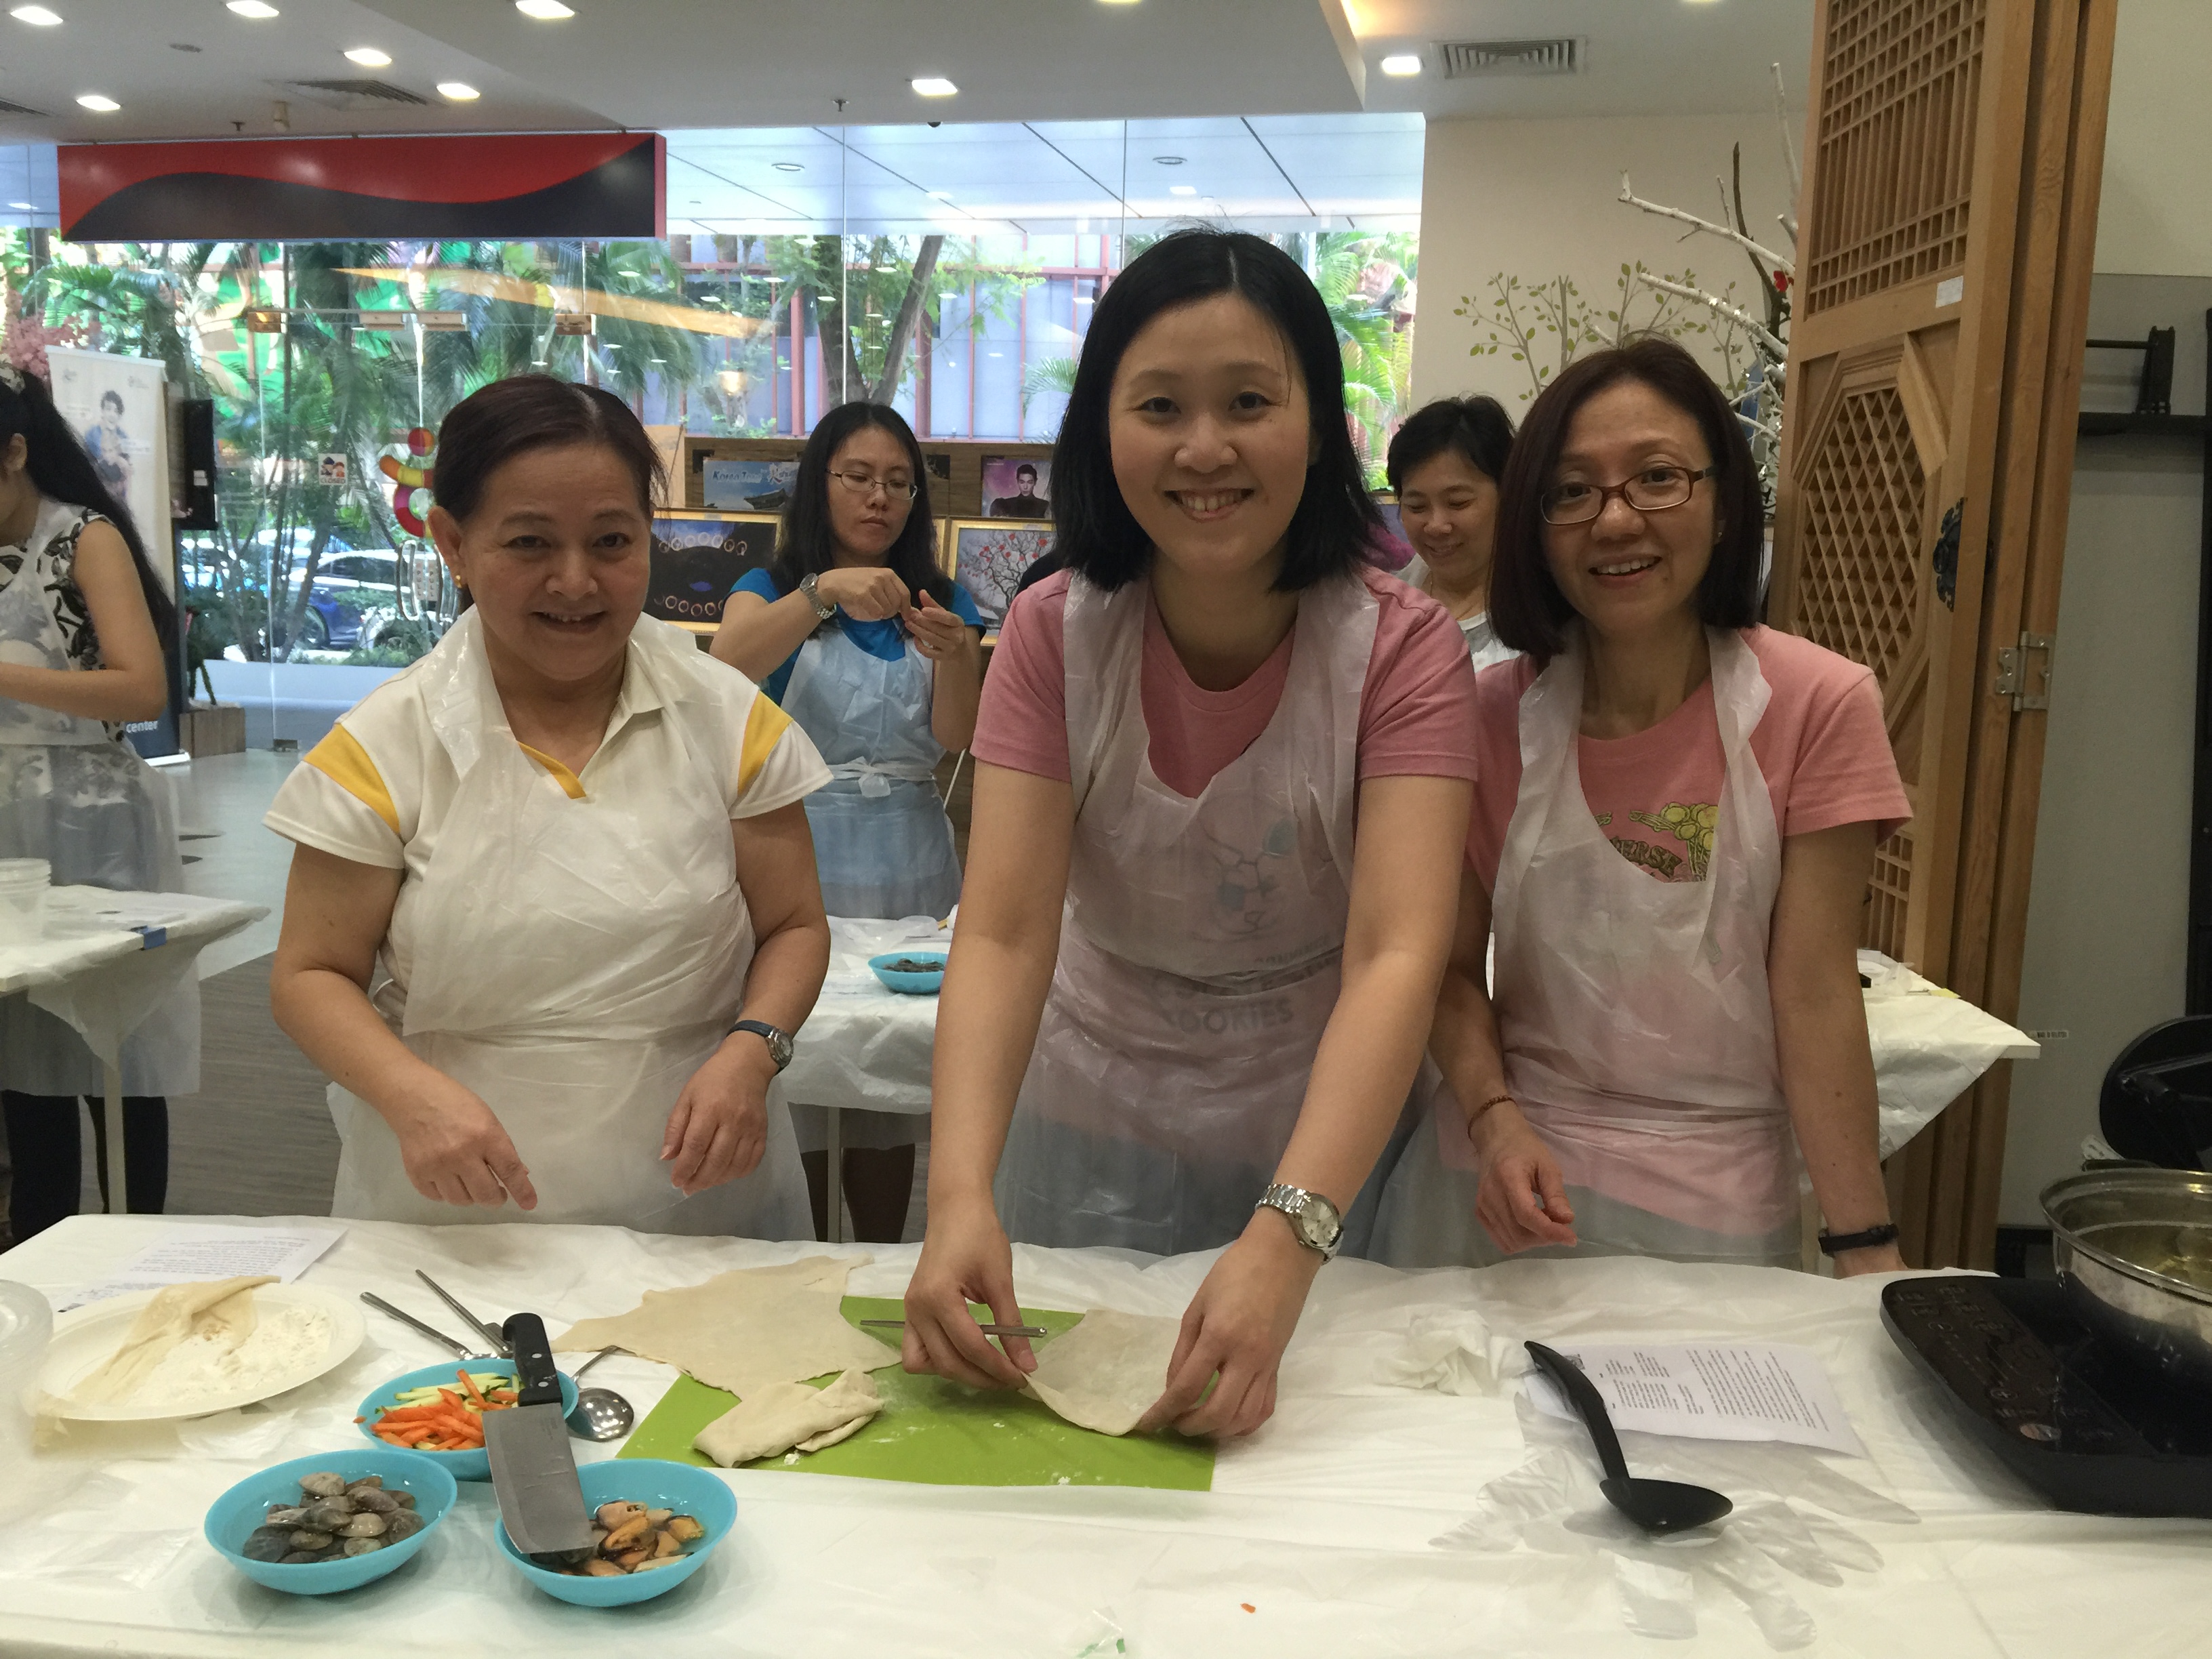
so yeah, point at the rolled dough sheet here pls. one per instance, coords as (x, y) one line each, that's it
(223, 1307)
(745, 1329)
(788, 1414)
(1107, 1370)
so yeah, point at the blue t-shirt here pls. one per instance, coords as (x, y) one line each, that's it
(885, 639)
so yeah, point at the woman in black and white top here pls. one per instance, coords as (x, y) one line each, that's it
(83, 625)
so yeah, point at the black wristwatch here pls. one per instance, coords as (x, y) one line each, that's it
(779, 1045)
(1872, 1237)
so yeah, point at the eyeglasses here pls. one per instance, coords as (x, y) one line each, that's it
(866, 484)
(1654, 489)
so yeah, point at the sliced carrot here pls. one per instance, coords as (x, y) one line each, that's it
(412, 1414)
(469, 1383)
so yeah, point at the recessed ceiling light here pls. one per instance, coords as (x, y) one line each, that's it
(24, 207)
(37, 16)
(259, 10)
(369, 58)
(545, 11)
(1402, 63)
(787, 167)
(934, 86)
(1168, 161)
(1182, 189)
(460, 91)
(100, 101)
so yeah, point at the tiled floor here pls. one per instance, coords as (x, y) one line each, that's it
(220, 801)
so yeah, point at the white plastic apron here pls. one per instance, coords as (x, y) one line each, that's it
(1200, 955)
(883, 845)
(81, 799)
(574, 961)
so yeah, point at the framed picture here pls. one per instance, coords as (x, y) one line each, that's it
(748, 486)
(1396, 553)
(697, 558)
(1017, 487)
(989, 556)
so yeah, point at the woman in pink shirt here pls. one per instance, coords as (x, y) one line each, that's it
(1676, 819)
(1237, 762)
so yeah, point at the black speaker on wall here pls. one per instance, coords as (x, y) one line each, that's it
(194, 465)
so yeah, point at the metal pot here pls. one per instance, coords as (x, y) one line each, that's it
(2134, 1247)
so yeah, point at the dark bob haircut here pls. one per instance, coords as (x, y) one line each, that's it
(804, 545)
(1098, 537)
(1477, 429)
(1526, 606)
(495, 423)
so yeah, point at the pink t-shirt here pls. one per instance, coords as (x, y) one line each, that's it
(1821, 746)
(1416, 707)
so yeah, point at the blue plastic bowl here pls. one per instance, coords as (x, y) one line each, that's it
(919, 984)
(461, 1465)
(234, 1514)
(700, 1493)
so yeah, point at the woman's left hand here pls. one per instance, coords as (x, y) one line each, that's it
(1238, 1326)
(937, 631)
(719, 1126)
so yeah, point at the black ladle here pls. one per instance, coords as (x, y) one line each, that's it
(1654, 1505)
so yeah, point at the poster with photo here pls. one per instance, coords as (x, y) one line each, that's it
(1017, 487)
(989, 559)
(697, 558)
(748, 485)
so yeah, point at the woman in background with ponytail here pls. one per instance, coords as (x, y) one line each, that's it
(84, 625)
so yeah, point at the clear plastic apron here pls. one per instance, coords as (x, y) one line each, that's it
(883, 845)
(81, 799)
(1200, 953)
(574, 961)
(1634, 1014)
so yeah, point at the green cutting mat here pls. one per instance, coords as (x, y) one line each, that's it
(941, 1434)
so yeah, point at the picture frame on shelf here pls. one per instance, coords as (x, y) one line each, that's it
(989, 556)
(1017, 487)
(697, 558)
(747, 483)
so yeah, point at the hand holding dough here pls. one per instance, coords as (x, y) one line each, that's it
(788, 1414)
(1107, 1370)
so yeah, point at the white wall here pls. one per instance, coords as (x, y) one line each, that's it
(1535, 199)
(2156, 217)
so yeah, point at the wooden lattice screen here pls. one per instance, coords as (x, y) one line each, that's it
(1954, 148)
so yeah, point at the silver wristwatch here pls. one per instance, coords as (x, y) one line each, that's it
(810, 586)
(1313, 1218)
(779, 1045)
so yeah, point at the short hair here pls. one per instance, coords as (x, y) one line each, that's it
(1527, 607)
(1477, 429)
(507, 418)
(112, 396)
(804, 545)
(1025, 467)
(1098, 537)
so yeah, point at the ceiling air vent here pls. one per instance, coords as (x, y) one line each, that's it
(1465, 60)
(7, 108)
(352, 95)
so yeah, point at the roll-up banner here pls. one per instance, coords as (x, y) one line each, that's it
(596, 185)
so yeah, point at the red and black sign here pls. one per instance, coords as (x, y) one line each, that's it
(597, 184)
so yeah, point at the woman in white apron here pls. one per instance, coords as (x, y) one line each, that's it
(1444, 465)
(1214, 1043)
(1675, 1016)
(553, 917)
(83, 623)
(859, 637)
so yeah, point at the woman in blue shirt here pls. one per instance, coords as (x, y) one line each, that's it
(865, 642)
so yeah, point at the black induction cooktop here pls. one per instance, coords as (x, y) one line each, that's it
(2079, 1423)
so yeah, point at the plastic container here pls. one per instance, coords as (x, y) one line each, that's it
(461, 1465)
(919, 984)
(233, 1517)
(26, 1323)
(700, 1493)
(24, 885)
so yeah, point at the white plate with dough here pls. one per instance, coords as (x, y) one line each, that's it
(84, 1339)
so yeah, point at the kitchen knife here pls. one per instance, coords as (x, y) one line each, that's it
(533, 1472)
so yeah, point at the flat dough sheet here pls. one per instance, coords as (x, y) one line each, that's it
(1106, 1370)
(223, 1307)
(745, 1329)
(788, 1414)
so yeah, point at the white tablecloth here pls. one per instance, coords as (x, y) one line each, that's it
(1316, 1538)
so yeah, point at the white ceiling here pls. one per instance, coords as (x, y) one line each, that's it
(1057, 97)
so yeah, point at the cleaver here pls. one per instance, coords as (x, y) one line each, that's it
(533, 1472)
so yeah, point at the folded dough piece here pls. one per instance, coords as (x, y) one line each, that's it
(788, 1414)
(222, 1308)
(1106, 1370)
(744, 1330)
